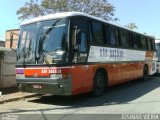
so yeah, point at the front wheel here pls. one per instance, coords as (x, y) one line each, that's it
(99, 84)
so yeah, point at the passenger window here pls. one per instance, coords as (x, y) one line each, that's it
(149, 43)
(130, 40)
(124, 37)
(113, 36)
(139, 41)
(80, 49)
(152, 44)
(143, 43)
(135, 41)
(83, 45)
(97, 33)
(107, 35)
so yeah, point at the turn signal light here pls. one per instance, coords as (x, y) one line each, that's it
(19, 76)
(64, 76)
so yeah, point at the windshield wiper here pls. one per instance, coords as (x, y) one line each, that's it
(41, 42)
(44, 55)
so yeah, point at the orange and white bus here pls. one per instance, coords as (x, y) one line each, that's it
(72, 53)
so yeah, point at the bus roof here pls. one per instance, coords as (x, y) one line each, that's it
(157, 41)
(68, 14)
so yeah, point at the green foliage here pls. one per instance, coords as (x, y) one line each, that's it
(99, 8)
(131, 26)
(1, 54)
(31, 9)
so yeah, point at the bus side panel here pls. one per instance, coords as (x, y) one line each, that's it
(124, 72)
(134, 70)
(82, 76)
(151, 62)
(113, 73)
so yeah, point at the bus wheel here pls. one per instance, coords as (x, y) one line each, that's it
(145, 73)
(99, 84)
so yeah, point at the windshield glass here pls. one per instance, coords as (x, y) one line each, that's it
(43, 41)
(27, 43)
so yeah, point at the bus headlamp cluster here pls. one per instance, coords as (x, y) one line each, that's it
(19, 76)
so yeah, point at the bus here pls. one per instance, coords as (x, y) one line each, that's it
(71, 53)
(157, 44)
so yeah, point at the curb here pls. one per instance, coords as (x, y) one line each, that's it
(17, 98)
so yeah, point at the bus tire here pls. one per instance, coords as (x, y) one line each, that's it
(98, 83)
(145, 73)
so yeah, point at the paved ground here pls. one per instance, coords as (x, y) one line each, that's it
(131, 98)
(13, 94)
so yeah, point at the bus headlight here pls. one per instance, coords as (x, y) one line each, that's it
(59, 76)
(19, 76)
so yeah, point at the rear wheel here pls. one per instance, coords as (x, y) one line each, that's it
(99, 84)
(145, 73)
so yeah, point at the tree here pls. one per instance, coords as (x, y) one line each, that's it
(98, 8)
(131, 26)
(31, 9)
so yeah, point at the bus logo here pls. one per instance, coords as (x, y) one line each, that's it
(35, 75)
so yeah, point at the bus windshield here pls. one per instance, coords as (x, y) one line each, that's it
(43, 41)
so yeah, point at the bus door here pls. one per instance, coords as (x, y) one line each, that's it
(80, 47)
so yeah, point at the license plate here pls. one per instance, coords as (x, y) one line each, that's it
(37, 86)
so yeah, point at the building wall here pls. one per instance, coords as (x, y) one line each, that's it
(7, 69)
(15, 38)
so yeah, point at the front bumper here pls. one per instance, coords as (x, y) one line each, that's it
(48, 86)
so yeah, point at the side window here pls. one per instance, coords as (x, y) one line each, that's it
(113, 33)
(124, 37)
(83, 45)
(143, 43)
(130, 40)
(80, 49)
(97, 33)
(152, 44)
(135, 41)
(106, 35)
(149, 44)
(139, 41)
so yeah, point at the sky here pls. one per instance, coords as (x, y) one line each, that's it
(144, 13)
(8, 17)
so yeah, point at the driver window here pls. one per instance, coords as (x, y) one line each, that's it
(83, 45)
(80, 49)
